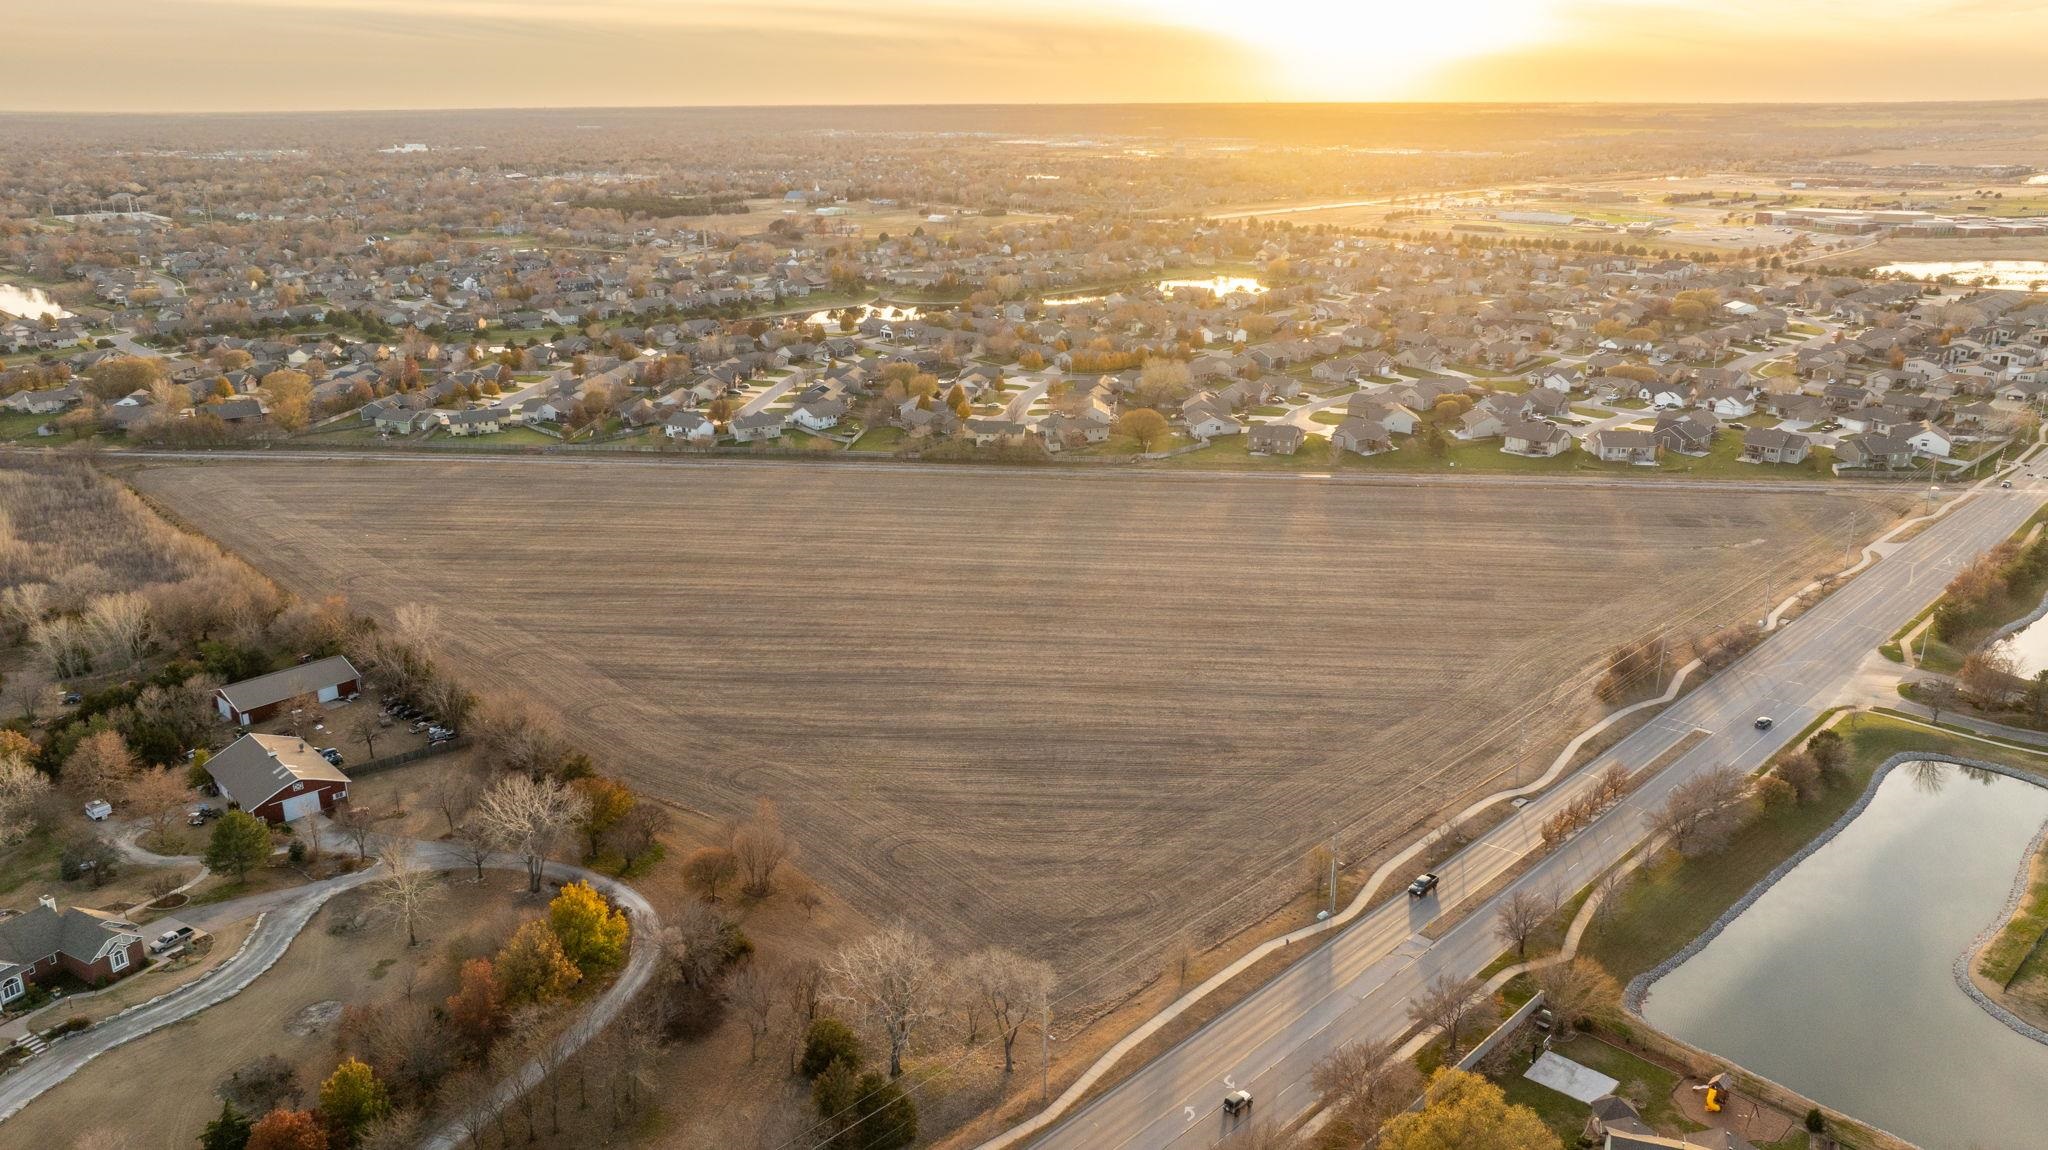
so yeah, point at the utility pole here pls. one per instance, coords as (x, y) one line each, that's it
(1333, 874)
(1045, 1054)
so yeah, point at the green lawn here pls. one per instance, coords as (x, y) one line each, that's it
(879, 439)
(1234, 453)
(1638, 1079)
(1328, 418)
(21, 424)
(2002, 959)
(1672, 900)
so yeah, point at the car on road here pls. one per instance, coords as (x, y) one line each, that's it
(169, 939)
(1237, 1102)
(2006, 483)
(1763, 722)
(1422, 885)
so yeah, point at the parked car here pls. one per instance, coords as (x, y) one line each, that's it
(1422, 885)
(2007, 483)
(73, 698)
(1237, 1102)
(98, 810)
(201, 815)
(331, 754)
(169, 939)
(1763, 722)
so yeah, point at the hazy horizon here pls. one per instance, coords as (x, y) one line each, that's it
(213, 56)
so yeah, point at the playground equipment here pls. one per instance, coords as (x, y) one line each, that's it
(1716, 1091)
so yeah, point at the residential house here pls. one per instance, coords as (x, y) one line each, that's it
(690, 427)
(1483, 422)
(48, 401)
(988, 432)
(1276, 439)
(1928, 439)
(91, 946)
(1873, 451)
(819, 414)
(476, 421)
(1361, 437)
(257, 699)
(1686, 432)
(758, 426)
(1536, 438)
(1623, 445)
(1774, 445)
(277, 778)
(1205, 422)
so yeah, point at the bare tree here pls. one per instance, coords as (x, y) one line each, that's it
(1701, 812)
(800, 981)
(23, 689)
(752, 994)
(455, 792)
(23, 791)
(1447, 1004)
(519, 734)
(638, 830)
(529, 816)
(759, 846)
(1937, 695)
(416, 627)
(1363, 1084)
(100, 766)
(157, 796)
(475, 843)
(1523, 914)
(356, 824)
(1577, 989)
(1011, 988)
(364, 728)
(405, 890)
(892, 979)
(120, 628)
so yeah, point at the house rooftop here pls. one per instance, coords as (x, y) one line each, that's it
(276, 687)
(255, 767)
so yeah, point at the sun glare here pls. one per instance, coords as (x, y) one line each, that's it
(1361, 49)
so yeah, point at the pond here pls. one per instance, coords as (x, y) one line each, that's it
(829, 320)
(28, 303)
(2021, 274)
(2028, 647)
(1838, 982)
(1216, 285)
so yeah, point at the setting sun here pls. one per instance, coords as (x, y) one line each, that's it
(1360, 49)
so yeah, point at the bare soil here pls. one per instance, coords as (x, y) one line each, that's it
(1065, 713)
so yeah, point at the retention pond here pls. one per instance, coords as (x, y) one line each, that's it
(1839, 981)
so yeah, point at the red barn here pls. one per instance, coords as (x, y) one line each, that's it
(277, 778)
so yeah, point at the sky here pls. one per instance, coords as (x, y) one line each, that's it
(256, 55)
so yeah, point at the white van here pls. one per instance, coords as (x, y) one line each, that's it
(98, 810)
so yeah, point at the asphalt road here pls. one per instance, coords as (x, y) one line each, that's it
(1359, 984)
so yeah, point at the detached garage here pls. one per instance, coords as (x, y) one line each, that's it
(254, 700)
(277, 778)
